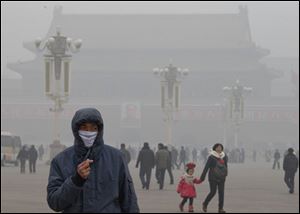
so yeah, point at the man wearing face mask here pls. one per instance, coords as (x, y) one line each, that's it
(90, 176)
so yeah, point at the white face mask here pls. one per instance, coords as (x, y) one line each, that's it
(88, 138)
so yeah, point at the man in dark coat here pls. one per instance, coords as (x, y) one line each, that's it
(290, 166)
(22, 156)
(33, 155)
(125, 153)
(169, 166)
(162, 159)
(90, 176)
(146, 160)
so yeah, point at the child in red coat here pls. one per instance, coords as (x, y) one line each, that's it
(186, 187)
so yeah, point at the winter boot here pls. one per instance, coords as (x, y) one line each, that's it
(181, 207)
(191, 209)
(221, 211)
(204, 208)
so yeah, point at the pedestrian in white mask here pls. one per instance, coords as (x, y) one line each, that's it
(90, 176)
(88, 133)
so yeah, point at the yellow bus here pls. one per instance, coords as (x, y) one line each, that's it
(10, 147)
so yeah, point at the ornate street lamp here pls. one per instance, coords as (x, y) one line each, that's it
(235, 96)
(170, 79)
(57, 76)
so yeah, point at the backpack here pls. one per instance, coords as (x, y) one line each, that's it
(219, 172)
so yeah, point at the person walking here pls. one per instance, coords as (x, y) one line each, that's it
(182, 157)
(146, 160)
(174, 156)
(276, 159)
(217, 166)
(41, 152)
(161, 159)
(290, 166)
(186, 187)
(32, 155)
(126, 153)
(169, 166)
(22, 156)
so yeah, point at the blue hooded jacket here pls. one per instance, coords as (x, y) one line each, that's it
(108, 188)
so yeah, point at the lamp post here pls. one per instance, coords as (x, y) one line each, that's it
(224, 120)
(234, 110)
(170, 79)
(57, 76)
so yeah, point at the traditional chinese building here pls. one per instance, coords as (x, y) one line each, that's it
(115, 67)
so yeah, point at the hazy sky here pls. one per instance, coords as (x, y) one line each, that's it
(274, 25)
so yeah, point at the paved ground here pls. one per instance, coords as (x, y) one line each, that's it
(252, 187)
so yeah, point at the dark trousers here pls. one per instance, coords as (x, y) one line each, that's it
(169, 169)
(22, 165)
(274, 164)
(160, 176)
(213, 189)
(32, 166)
(145, 172)
(184, 200)
(289, 179)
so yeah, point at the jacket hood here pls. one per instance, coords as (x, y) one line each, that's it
(84, 115)
(87, 115)
(146, 147)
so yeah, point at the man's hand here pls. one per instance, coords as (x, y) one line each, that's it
(83, 169)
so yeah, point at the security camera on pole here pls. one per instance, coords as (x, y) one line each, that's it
(235, 106)
(170, 78)
(57, 76)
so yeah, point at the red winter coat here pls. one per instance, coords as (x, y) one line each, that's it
(187, 189)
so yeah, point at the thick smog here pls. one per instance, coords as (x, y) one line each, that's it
(155, 107)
